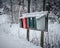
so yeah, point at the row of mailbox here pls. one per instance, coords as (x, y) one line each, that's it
(28, 22)
(35, 20)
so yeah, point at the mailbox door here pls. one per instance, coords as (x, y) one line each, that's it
(31, 22)
(21, 23)
(34, 22)
(24, 23)
(41, 24)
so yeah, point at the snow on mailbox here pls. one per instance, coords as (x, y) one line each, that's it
(35, 20)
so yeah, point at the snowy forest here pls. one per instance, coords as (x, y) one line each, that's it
(13, 36)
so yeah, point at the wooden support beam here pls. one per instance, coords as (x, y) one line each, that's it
(28, 34)
(42, 32)
(42, 39)
(28, 12)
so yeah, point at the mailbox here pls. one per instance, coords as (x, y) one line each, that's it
(34, 21)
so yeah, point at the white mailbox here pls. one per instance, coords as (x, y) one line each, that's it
(40, 21)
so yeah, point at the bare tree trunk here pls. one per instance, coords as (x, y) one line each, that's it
(34, 5)
(44, 1)
(11, 10)
(21, 9)
(28, 6)
(1, 4)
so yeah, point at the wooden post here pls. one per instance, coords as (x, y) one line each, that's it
(28, 12)
(28, 34)
(42, 32)
(42, 38)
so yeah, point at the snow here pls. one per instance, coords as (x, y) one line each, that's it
(5, 19)
(54, 31)
(10, 41)
(34, 14)
(53, 34)
(1, 9)
(9, 37)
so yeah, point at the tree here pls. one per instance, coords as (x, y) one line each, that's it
(44, 1)
(21, 7)
(28, 6)
(34, 5)
(1, 3)
(11, 4)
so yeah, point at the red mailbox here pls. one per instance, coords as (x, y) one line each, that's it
(24, 23)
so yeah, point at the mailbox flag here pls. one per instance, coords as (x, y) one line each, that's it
(24, 23)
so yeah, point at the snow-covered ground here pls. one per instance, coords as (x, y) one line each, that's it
(52, 38)
(9, 37)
